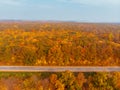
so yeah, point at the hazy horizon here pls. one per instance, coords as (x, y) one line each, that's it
(95, 11)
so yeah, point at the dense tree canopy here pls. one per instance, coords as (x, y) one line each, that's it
(37, 43)
(60, 81)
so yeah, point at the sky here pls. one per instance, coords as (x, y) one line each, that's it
(61, 10)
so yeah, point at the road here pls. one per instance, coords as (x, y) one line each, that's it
(59, 68)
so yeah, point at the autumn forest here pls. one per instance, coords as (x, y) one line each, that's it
(24, 43)
(59, 44)
(60, 81)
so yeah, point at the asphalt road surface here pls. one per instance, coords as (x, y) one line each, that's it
(59, 68)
